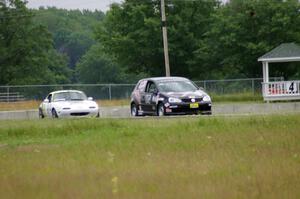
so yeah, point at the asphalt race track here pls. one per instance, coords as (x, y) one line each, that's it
(218, 109)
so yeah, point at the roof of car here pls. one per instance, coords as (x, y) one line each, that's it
(161, 79)
(63, 91)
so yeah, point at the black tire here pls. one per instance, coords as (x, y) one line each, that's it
(134, 110)
(161, 110)
(54, 114)
(41, 115)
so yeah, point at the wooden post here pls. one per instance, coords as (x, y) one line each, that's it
(165, 37)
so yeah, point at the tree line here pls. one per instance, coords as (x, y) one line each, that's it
(208, 39)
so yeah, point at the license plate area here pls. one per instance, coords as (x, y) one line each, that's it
(194, 105)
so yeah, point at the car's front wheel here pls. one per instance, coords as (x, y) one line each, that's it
(161, 110)
(54, 114)
(133, 110)
(41, 115)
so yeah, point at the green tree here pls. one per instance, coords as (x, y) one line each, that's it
(245, 30)
(131, 31)
(72, 30)
(27, 53)
(96, 67)
(188, 21)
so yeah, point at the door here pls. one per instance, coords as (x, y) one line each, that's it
(139, 95)
(48, 105)
(150, 98)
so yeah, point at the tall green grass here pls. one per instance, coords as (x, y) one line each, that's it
(193, 157)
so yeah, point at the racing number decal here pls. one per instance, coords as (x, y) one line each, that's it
(148, 98)
(154, 98)
(291, 87)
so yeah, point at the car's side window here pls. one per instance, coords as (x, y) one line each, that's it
(151, 88)
(49, 97)
(142, 86)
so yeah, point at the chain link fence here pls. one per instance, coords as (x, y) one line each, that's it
(123, 91)
(234, 86)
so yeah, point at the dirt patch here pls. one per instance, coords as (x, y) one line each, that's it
(22, 105)
(35, 148)
(3, 146)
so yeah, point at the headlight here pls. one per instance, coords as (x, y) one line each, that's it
(206, 98)
(174, 100)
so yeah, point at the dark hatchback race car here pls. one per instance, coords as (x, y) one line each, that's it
(169, 96)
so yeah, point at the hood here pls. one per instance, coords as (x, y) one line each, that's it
(77, 103)
(196, 94)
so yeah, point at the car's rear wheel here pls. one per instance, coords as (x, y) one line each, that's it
(54, 114)
(161, 110)
(134, 110)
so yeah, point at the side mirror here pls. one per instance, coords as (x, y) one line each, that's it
(201, 88)
(90, 98)
(46, 101)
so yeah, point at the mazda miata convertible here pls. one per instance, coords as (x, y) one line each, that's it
(68, 103)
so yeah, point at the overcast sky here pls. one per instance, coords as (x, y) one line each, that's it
(73, 4)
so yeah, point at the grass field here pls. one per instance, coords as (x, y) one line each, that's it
(167, 158)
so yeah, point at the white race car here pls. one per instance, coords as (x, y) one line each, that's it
(66, 103)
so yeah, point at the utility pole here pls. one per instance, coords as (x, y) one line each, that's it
(165, 37)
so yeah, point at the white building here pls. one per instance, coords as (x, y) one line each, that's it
(283, 90)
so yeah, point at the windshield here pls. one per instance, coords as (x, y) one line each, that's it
(177, 86)
(67, 96)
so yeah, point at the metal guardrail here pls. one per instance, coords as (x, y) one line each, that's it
(123, 91)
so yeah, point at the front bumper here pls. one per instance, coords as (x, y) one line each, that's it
(78, 113)
(185, 108)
